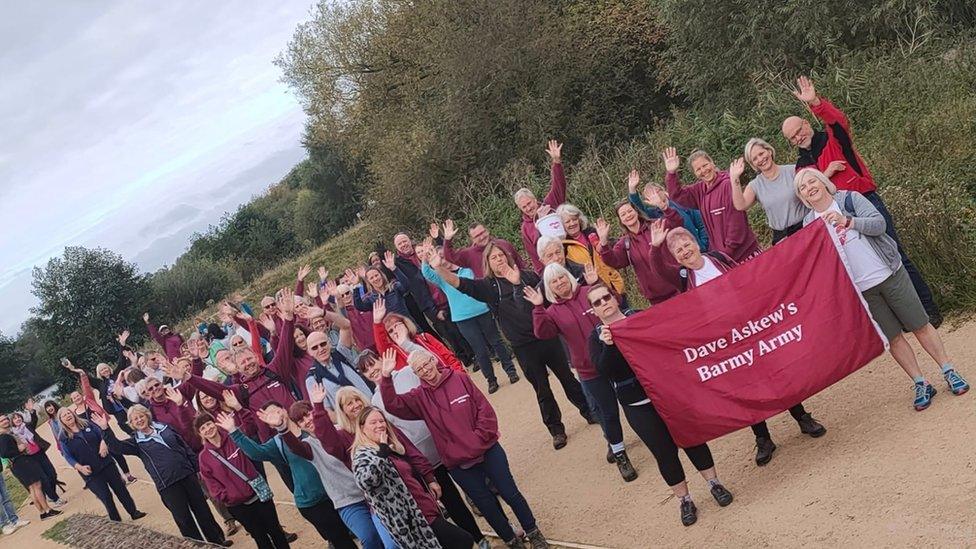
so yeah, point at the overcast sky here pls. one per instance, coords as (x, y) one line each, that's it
(129, 125)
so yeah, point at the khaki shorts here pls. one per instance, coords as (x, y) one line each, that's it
(895, 305)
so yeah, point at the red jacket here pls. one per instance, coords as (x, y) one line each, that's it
(635, 250)
(574, 320)
(473, 257)
(839, 145)
(222, 484)
(555, 197)
(728, 228)
(170, 343)
(461, 420)
(427, 341)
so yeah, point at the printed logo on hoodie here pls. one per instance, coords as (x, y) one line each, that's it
(461, 399)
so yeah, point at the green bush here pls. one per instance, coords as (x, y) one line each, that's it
(190, 284)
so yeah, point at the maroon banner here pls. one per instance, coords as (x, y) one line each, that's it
(748, 345)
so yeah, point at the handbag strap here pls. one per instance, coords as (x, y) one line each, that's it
(230, 466)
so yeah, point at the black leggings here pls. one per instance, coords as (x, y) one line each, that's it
(450, 536)
(103, 483)
(454, 504)
(762, 430)
(188, 505)
(649, 426)
(260, 519)
(537, 359)
(325, 519)
(49, 482)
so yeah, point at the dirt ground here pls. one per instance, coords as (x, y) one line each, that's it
(883, 475)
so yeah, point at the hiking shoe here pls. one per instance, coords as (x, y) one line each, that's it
(559, 441)
(515, 543)
(492, 387)
(689, 513)
(232, 527)
(810, 426)
(226, 543)
(138, 515)
(956, 383)
(626, 469)
(610, 458)
(721, 495)
(764, 450)
(935, 319)
(50, 514)
(291, 537)
(513, 378)
(923, 395)
(537, 540)
(8, 529)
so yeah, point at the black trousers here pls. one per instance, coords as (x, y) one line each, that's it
(284, 471)
(103, 483)
(449, 332)
(535, 358)
(186, 502)
(454, 504)
(450, 536)
(260, 519)
(328, 524)
(781, 234)
(762, 430)
(652, 430)
(49, 482)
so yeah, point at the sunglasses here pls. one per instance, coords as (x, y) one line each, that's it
(605, 298)
(317, 347)
(344, 294)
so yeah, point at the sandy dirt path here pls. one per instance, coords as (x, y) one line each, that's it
(883, 476)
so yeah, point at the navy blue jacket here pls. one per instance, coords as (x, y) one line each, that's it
(82, 448)
(416, 285)
(167, 463)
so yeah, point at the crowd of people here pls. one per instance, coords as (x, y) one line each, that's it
(357, 389)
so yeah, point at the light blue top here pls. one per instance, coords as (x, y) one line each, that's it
(462, 305)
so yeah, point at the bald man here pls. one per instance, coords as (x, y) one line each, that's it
(832, 151)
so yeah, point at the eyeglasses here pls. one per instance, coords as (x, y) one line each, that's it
(605, 298)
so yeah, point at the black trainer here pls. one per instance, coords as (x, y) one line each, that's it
(721, 495)
(810, 426)
(689, 513)
(626, 469)
(610, 458)
(138, 515)
(559, 441)
(513, 378)
(764, 450)
(492, 387)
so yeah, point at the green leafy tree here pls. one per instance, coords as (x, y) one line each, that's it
(13, 391)
(190, 284)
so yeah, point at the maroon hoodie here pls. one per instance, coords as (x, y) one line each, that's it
(223, 485)
(461, 420)
(171, 342)
(635, 250)
(180, 418)
(270, 383)
(574, 320)
(728, 228)
(473, 257)
(555, 197)
(362, 327)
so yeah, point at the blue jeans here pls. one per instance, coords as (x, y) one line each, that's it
(8, 514)
(603, 401)
(481, 333)
(388, 542)
(474, 482)
(357, 519)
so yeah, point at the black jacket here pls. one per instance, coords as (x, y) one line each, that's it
(507, 302)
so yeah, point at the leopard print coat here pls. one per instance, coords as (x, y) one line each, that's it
(388, 497)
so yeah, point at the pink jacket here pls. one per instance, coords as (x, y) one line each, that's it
(556, 196)
(635, 250)
(461, 420)
(728, 228)
(574, 320)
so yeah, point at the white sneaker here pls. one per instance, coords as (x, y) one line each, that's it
(8, 529)
(60, 503)
(21, 523)
(484, 544)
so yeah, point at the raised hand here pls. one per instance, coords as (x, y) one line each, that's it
(225, 421)
(123, 337)
(533, 296)
(316, 393)
(544, 210)
(435, 230)
(657, 199)
(230, 400)
(434, 259)
(331, 288)
(736, 169)
(266, 321)
(389, 261)
(671, 160)
(175, 396)
(302, 310)
(805, 91)
(389, 362)
(449, 229)
(286, 303)
(303, 272)
(590, 274)
(275, 417)
(555, 151)
(658, 232)
(379, 310)
(602, 231)
(312, 290)
(100, 420)
(350, 277)
(361, 273)
(175, 371)
(323, 274)
(633, 180)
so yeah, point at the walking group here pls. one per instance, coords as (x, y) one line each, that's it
(357, 390)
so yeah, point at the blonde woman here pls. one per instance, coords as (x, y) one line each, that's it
(772, 187)
(85, 450)
(24, 468)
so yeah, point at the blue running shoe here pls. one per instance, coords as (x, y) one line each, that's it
(956, 383)
(923, 395)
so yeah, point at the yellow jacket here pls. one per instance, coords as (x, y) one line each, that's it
(578, 252)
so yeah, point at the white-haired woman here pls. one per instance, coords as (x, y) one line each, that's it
(581, 246)
(772, 187)
(569, 316)
(696, 268)
(550, 250)
(173, 467)
(877, 270)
